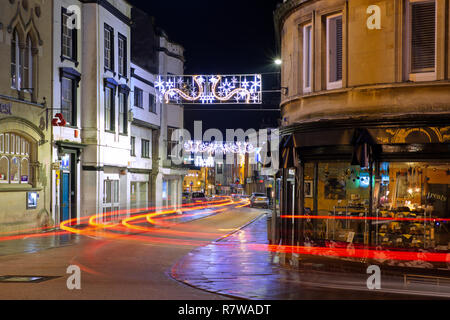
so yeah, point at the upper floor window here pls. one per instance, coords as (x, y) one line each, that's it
(151, 103)
(109, 109)
(21, 63)
(123, 113)
(14, 59)
(69, 85)
(138, 97)
(28, 66)
(133, 146)
(109, 47)
(421, 19)
(14, 158)
(67, 100)
(334, 51)
(68, 36)
(171, 144)
(307, 58)
(145, 148)
(122, 52)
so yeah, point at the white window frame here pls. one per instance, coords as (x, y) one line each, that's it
(108, 108)
(133, 146)
(138, 97)
(419, 76)
(67, 37)
(122, 114)
(307, 89)
(334, 84)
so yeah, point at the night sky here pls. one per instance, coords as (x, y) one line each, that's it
(223, 37)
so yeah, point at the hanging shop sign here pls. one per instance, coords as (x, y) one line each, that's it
(58, 120)
(210, 89)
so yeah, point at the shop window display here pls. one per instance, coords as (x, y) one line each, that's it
(343, 196)
(14, 159)
(412, 197)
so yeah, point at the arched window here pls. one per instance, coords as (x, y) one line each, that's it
(15, 154)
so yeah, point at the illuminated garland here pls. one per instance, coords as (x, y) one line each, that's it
(209, 89)
(204, 147)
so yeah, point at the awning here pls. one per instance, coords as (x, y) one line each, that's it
(287, 152)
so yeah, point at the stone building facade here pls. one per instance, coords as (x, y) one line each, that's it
(365, 123)
(25, 128)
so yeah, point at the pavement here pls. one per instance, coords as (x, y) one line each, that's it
(114, 269)
(231, 267)
(211, 258)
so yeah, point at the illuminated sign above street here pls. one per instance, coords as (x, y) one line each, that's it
(210, 89)
(214, 147)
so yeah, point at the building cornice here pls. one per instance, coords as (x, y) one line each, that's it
(282, 12)
(134, 75)
(379, 121)
(170, 54)
(144, 124)
(111, 9)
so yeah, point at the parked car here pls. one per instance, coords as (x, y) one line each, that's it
(185, 197)
(259, 200)
(197, 197)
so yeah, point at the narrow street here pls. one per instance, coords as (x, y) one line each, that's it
(115, 269)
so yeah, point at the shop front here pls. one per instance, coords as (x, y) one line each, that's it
(372, 187)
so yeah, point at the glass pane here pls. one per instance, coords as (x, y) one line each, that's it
(107, 192)
(116, 191)
(307, 56)
(2, 143)
(12, 144)
(107, 109)
(24, 171)
(18, 144)
(419, 192)
(14, 61)
(335, 48)
(6, 143)
(66, 99)
(14, 172)
(343, 195)
(4, 169)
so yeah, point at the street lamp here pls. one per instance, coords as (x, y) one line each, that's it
(278, 61)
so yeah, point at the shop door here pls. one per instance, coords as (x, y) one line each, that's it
(65, 194)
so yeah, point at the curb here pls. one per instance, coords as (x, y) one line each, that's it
(171, 271)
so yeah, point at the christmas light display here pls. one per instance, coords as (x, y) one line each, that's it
(215, 147)
(204, 163)
(210, 89)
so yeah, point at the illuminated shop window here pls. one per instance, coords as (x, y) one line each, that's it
(14, 159)
(417, 194)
